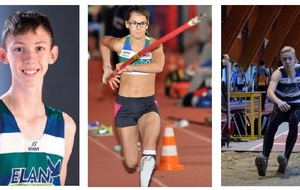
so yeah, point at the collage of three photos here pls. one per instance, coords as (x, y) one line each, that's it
(151, 97)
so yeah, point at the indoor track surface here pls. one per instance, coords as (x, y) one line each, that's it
(105, 166)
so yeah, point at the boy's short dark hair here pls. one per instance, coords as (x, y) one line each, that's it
(261, 62)
(22, 22)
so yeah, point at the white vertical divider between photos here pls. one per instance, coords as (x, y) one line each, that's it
(83, 142)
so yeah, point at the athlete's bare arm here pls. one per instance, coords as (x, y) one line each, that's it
(70, 129)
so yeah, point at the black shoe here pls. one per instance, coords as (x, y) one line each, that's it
(261, 163)
(282, 163)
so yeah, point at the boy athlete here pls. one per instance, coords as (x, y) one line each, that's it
(35, 140)
(284, 92)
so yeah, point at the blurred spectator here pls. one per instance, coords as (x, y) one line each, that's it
(95, 18)
(262, 81)
(115, 25)
(240, 79)
(253, 80)
(202, 68)
(233, 77)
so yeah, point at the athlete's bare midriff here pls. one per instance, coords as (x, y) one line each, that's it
(137, 85)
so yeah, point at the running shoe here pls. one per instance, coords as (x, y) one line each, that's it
(147, 166)
(261, 163)
(282, 163)
(102, 131)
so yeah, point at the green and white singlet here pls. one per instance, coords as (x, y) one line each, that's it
(127, 53)
(31, 162)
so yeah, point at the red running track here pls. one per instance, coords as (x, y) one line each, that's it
(105, 168)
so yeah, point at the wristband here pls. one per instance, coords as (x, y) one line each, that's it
(107, 66)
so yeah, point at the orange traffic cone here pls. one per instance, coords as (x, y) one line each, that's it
(169, 158)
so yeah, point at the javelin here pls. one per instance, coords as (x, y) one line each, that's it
(190, 23)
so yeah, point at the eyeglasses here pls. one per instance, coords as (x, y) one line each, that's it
(135, 24)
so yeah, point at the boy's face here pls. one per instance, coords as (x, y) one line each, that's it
(29, 55)
(288, 58)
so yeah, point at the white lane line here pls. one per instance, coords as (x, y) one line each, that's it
(201, 137)
(262, 143)
(160, 183)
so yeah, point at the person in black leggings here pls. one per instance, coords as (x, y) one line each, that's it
(284, 92)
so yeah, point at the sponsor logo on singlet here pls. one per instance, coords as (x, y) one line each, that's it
(125, 53)
(34, 146)
(25, 175)
(284, 80)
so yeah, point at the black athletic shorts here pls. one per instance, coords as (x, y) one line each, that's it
(128, 110)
